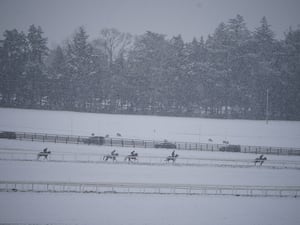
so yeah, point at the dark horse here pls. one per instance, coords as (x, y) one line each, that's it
(261, 159)
(43, 154)
(131, 157)
(110, 156)
(171, 158)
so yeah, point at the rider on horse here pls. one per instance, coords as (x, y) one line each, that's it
(133, 153)
(173, 153)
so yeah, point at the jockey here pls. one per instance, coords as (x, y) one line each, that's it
(45, 150)
(113, 152)
(173, 153)
(132, 153)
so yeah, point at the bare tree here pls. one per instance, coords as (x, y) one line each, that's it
(114, 43)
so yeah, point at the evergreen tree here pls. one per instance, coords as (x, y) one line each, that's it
(290, 76)
(266, 74)
(146, 67)
(36, 88)
(57, 78)
(13, 59)
(197, 65)
(80, 70)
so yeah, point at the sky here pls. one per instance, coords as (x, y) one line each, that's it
(59, 19)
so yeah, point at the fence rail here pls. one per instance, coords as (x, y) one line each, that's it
(150, 188)
(138, 143)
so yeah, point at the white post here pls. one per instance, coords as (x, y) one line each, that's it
(267, 107)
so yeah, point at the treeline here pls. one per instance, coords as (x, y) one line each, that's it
(228, 75)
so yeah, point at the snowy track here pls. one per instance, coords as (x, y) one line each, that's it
(149, 160)
(150, 188)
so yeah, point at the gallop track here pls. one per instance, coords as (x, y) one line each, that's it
(148, 160)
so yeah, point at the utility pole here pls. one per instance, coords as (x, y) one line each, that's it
(267, 107)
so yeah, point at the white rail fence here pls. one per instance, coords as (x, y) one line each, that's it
(146, 160)
(150, 188)
(139, 143)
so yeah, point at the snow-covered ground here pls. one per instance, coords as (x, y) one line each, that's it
(246, 132)
(115, 209)
(136, 209)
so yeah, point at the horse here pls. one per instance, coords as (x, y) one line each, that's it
(171, 158)
(131, 157)
(110, 156)
(43, 154)
(261, 159)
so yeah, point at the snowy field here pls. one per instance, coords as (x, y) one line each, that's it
(245, 132)
(149, 209)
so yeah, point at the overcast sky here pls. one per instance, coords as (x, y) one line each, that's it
(190, 18)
